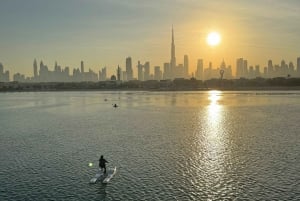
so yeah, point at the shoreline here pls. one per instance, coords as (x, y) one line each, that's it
(156, 90)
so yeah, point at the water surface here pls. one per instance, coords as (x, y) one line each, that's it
(166, 145)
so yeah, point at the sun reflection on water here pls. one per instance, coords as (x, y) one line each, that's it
(213, 143)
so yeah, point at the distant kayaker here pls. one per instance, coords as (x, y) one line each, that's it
(102, 165)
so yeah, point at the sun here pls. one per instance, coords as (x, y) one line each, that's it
(213, 39)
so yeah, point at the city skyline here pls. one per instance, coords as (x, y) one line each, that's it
(72, 31)
(170, 70)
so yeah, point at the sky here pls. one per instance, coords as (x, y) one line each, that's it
(105, 32)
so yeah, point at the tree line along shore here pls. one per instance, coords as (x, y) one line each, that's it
(278, 83)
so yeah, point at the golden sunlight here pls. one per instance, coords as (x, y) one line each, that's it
(213, 39)
(214, 96)
(214, 107)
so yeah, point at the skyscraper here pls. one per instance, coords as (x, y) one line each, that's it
(129, 71)
(239, 68)
(157, 73)
(102, 74)
(82, 67)
(173, 58)
(1, 68)
(186, 66)
(199, 71)
(298, 66)
(245, 69)
(167, 71)
(118, 73)
(140, 71)
(35, 69)
(147, 71)
(270, 69)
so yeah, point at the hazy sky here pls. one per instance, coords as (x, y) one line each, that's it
(104, 32)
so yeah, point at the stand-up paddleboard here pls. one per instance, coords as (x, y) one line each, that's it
(105, 178)
(110, 174)
(98, 175)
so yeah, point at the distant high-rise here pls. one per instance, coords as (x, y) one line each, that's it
(245, 69)
(82, 67)
(270, 69)
(199, 71)
(265, 72)
(257, 71)
(102, 74)
(167, 71)
(173, 58)
(4, 76)
(35, 69)
(119, 73)
(298, 66)
(140, 71)
(129, 71)
(239, 67)
(157, 73)
(1, 68)
(147, 71)
(186, 66)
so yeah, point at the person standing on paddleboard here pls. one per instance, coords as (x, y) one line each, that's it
(102, 162)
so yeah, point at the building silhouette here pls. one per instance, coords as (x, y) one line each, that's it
(129, 71)
(167, 71)
(186, 66)
(118, 73)
(173, 57)
(298, 66)
(241, 68)
(35, 70)
(157, 73)
(140, 71)
(102, 74)
(199, 71)
(270, 69)
(170, 71)
(4, 76)
(147, 71)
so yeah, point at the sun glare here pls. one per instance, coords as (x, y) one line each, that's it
(213, 39)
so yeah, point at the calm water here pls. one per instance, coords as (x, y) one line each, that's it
(166, 145)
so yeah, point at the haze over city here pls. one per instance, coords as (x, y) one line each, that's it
(149, 100)
(103, 33)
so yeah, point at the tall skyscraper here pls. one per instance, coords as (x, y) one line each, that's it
(157, 73)
(1, 68)
(270, 69)
(35, 69)
(140, 71)
(186, 66)
(291, 69)
(82, 67)
(167, 71)
(257, 71)
(102, 74)
(239, 68)
(199, 71)
(118, 73)
(147, 71)
(129, 71)
(245, 69)
(173, 58)
(298, 66)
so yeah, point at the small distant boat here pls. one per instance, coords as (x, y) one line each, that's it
(115, 105)
(105, 99)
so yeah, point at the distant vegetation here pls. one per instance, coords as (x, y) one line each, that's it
(168, 85)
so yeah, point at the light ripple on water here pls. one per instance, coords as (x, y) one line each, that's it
(166, 146)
